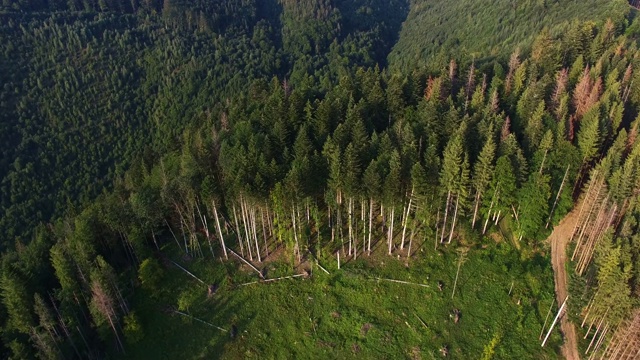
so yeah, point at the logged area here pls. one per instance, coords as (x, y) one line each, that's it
(319, 179)
(358, 310)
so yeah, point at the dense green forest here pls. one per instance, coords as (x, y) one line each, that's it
(85, 93)
(250, 179)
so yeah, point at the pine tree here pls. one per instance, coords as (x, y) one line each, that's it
(16, 300)
(483, 171)
(501, 192)
(589, 135)
(533, 205)
(454, 178)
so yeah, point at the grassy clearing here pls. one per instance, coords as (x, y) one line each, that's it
(348, 313)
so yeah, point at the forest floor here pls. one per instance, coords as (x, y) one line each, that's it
(559, 240)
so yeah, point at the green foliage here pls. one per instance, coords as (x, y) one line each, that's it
(150, 274)
(533, 200)
(436, 31)
(132, 328)
(271, 128)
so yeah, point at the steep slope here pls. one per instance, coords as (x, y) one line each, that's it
(436, 30)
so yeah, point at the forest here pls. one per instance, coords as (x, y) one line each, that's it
(317, 178)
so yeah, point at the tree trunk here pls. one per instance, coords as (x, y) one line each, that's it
(264, 232)
(370, 222)
(406, 219)
(455, 217)
(350, 211)
(238, 234)
(364, 225)
(255, 234)
(475, 209)
(205, 226)
(247, 233)
(393, 210)
(172, 233)
(215, 214)
(436, 232)
(555, 202)
(296, 248)
(446, 213)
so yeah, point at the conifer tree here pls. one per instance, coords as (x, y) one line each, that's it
(482, 174)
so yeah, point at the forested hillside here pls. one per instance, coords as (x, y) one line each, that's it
(437, 30)
(248, 179)
(84, 93)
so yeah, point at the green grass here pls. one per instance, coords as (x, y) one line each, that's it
(348, 313)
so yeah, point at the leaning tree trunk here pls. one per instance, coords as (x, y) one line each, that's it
(406, 219)
(215, 214)
(455, 217)
(446, 213)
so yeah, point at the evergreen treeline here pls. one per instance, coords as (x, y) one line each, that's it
(370, 160)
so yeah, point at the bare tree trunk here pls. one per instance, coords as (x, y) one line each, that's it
(436, 232)
(238, 234)
(184, 237)
(410, 242)
(584, 223)
(205, 226)
(215, 213)
(446, 213)
(555, 202)
(461, 260)
(393, 210)
(603, 336)
(406, 219)
(364, 225)
(584, 203)
(595, 335)
(475, 209)
(264, 232)
(555, 320)
(455, 217)
(255, 233)
(64, 327)
(494, 199)
(247, 232)
(172, 233)
(370, 222)
(270, 227)
(350, 211)
(295, 234)
(115, 332)
(546, 318)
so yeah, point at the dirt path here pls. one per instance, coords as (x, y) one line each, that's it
(559, 240)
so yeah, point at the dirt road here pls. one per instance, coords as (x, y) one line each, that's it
(559, 240)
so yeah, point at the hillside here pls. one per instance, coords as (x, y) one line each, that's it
(436, 30)
(245, 179)
(85, 93)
